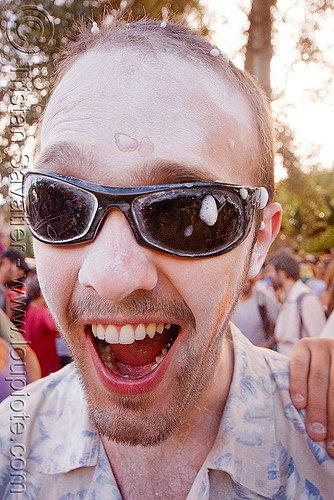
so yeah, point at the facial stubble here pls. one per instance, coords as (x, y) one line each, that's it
(137, 420)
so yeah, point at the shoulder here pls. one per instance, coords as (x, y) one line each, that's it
(328, 330)
(299, 288)
(46, 433)
(302, 294)
(261, 423)
(265, 368)
(19, 413)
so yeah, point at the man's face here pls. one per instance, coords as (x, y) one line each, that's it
(9, 271)
(137, 119)
(275, 275)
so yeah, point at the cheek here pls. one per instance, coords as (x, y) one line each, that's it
(57, 271)
(210, 286)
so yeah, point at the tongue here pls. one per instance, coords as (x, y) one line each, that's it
(141, 352)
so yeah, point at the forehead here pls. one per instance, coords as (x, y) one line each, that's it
(130, 108)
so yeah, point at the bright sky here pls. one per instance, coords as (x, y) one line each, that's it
(313, 122)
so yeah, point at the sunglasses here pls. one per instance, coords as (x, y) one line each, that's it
(192, 219)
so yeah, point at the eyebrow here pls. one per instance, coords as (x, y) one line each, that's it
(153, 172)
(61, 153)
(165, 172)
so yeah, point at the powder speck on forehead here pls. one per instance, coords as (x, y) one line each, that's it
(129, 144)
(146, 147)
(126, 143)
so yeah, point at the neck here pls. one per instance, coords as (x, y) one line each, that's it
(288, 285)
(167, 471)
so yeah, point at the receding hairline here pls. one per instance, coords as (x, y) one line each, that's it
(148, 36)
(178, 40)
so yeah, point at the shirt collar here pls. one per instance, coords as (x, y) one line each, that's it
(298, 288)
(247, 431)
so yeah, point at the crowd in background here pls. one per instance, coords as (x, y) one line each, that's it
(291, 298)
(30, 345)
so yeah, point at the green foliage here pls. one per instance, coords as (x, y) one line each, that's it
(308, 210)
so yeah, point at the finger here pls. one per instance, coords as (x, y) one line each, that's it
(330, 414)
(316, 411)
(299, 371)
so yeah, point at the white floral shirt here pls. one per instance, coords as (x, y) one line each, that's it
(50, 451)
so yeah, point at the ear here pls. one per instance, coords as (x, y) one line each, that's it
(272, 216)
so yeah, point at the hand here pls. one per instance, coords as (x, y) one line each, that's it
(312, 387)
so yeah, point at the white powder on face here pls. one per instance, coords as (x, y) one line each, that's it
(209, 212)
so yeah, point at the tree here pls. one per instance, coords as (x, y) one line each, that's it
(259, 49)
(308, 218)
(302, 194)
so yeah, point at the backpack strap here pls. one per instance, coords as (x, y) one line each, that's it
(268, 325)
(300, 312)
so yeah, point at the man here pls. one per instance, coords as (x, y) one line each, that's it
(255, 314)
(143, 282)
(317, 283)
(301, 314)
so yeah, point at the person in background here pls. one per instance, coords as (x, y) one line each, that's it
(317, 283)
(40, 329)
(255, 314)
(329, 278)
(11, 335)
(13, 271)
(301, 314)
(62, 351)
(306, 267)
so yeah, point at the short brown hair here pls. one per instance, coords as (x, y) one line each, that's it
(282, 261)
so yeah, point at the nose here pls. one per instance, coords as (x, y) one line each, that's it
(114, 264)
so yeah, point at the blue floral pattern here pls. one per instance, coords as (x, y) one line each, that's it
(261, 451)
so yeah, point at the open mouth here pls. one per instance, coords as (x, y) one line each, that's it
(133, 350)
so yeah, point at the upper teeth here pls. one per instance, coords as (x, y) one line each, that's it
(127, 334)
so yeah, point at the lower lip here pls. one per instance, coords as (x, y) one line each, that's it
(124, 386)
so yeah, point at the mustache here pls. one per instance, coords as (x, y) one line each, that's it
(143, 303)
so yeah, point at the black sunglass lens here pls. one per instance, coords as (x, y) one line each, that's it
(193, 221)
(57, 211)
